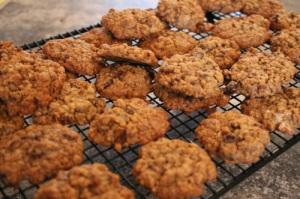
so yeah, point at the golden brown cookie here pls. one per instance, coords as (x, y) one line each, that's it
(39, 152)
(184, 14)
(99, 36)
(169, 43)
(85, 182)
(132, 23)
(247, 32)
(188, 104)
(233, 137)
(123, 81)
(132, 54)
(260, 74)
(27, 81)
(288, 42)
(74, 54)
(285, 20)
(194, 75)
(77, 103)
(265, 8)
(224, 52)
(174, 169)
(278, 112)
(224, 6)
(130, 121)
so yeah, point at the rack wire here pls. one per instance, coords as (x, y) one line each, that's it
(182, 127)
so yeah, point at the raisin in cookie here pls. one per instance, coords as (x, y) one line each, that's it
(194, 75)
(247, 32)
(224, 52)
(39, 152)
(233, 137)
(123, 81)
(77, 103)
(74, 54)
(260, 74)
(27, 81)
(265, 8)
(277, 112)
(285, 20)
(174, 169)
(130, 121)
(288, 42)
(224, 6)
(85, 182)
(184, 14)
(169, 43)
(132, 23)
(132, 54)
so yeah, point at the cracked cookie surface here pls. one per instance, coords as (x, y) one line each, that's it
(85, 182)
(285, 20)
(174, 169)
(130, 121)
(278, 112)
(233, 137)
(265, 8)
(247, 32)
(38, 152)
(123, 81)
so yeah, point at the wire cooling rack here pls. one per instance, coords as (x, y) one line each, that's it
(182, 127)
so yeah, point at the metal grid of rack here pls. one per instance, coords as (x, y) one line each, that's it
(182, 127)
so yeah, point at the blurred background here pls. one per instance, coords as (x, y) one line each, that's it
(23, 21)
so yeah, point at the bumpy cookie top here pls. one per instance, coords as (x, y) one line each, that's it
(130, 121)
(278, 112)
(39, 152)
(74, 54)
(245, 31)
(169, 43)
(27, 81)
(132, 23)
(85, 182)
(193, 75)
(123, 52)
(77, 103)
(224, 6)
(288, 42)
(123, 81)
(259, 74)
(285, 20)
(224, 52)
(265, 8)
(174, 169)
(181, 13)
(233, 137)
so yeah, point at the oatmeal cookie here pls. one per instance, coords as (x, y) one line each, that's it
(174, 169)
(184, 14)
(123, 52)
(27, 81)
(224, 6)
(260, 74)
(132, 23)
(169, 43)
(8, 124)
(288, 42)
(278, 112)
(233, 137)
(130, 121)
(123, 81)
(77, 103)
(247, 32)
(74, 54)
(224, 52)
(194, 75)
(285, 20)
(99, 36)
(39, 152)
(265, 8)
(179, 101)
(85, 182)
